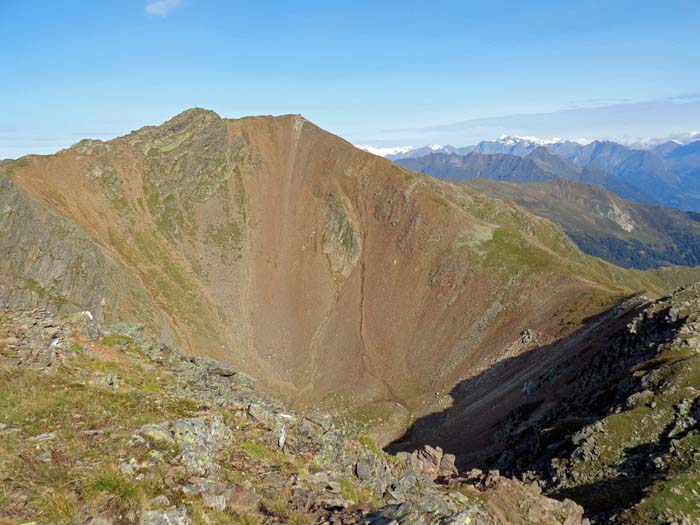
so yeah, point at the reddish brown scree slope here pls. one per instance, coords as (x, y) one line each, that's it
(330, 274)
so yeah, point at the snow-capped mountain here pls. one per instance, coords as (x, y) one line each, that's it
(517, 145)
(385, 152)
(523, 145)
(406, 152)
(511, 144)
(652, 143)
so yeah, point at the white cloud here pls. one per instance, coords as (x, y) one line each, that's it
(163, 7)
(625, 122)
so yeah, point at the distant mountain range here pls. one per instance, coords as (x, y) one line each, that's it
(512, 145)
(523, 145)
(667, 174)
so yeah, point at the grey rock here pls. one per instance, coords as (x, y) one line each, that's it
(447, 465)
(171, 516)
(46, 436)
(262, 414)
(363, 470)
(215, 501)
(128, 467)
(44, 457)
(639, 398)
(158, 434)
(463, 518)
(280, 434)
(199, 441)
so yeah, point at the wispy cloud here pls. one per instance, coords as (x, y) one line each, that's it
(596, 102)
(163, 7)
(621, 120)
(688, 97)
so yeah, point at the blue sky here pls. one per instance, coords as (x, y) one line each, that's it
(380, 72)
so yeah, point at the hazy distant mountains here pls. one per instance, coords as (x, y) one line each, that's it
(667, 174)
(511, 145)
(538, 166)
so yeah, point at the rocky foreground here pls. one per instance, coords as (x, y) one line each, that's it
(99, 426)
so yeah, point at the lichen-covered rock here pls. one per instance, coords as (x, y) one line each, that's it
(199, 440)
(171, 516)
(158, 434)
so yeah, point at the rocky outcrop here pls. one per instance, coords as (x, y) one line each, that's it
(609, 418)
(430, 462)
(50, 261)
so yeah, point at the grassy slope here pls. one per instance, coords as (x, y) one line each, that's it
(594, 218)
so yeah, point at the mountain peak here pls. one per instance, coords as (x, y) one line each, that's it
(191, 116)
(515, 139)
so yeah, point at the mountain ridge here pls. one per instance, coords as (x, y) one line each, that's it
(617, 230)
(538, 166)
(666, 174)
(270, 243)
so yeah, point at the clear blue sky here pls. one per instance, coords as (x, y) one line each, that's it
(382, 72)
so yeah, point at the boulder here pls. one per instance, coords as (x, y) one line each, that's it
(171, 516)
(199, 440)
(158, 434)
(429, 462)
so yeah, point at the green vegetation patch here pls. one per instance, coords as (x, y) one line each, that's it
(116, 340)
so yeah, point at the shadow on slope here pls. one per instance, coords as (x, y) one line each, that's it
(526, 413)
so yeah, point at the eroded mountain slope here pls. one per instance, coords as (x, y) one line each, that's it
(620, 231)
(332, 275)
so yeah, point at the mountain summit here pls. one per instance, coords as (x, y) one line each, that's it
(332, 275)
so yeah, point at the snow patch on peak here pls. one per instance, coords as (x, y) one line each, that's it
(402, 151)
(383, 152)
(515, 139)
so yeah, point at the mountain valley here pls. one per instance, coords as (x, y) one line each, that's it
(294, 304)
